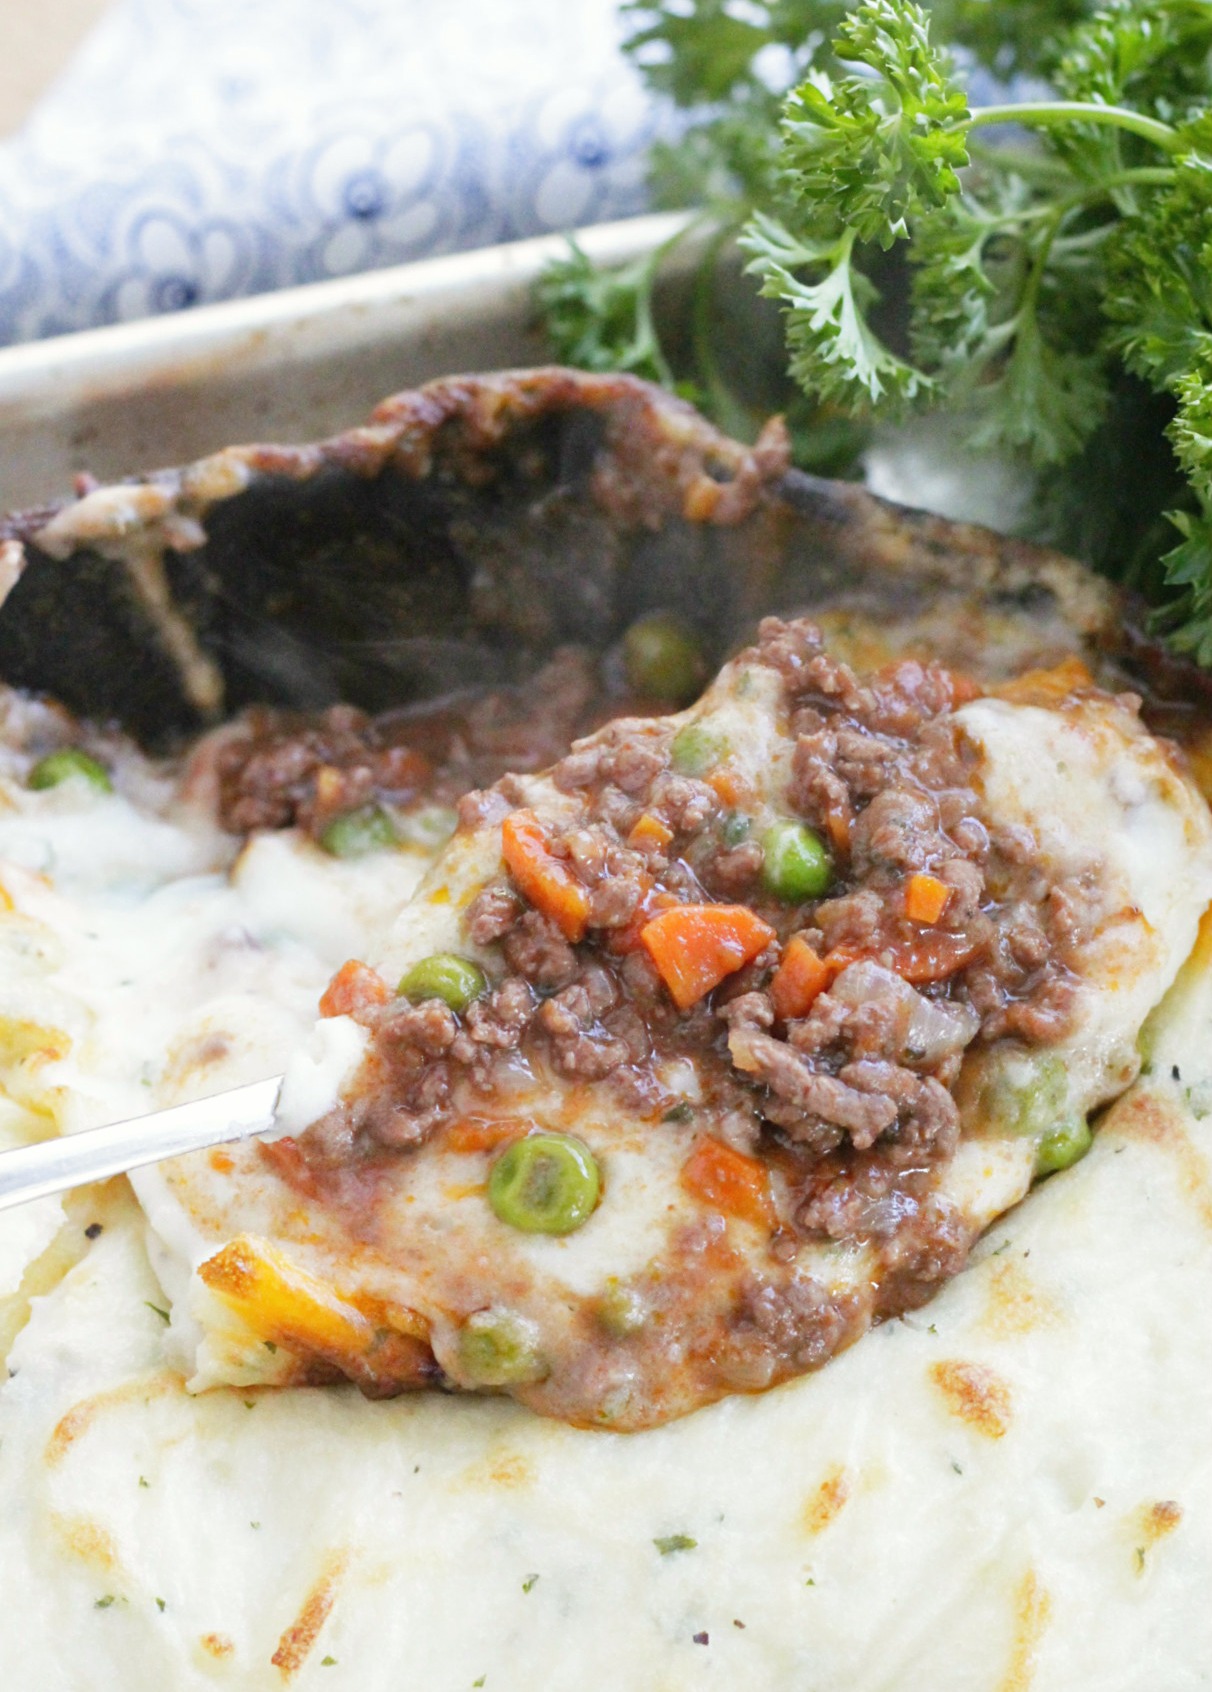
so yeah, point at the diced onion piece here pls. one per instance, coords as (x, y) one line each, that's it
(695, 947)
(545, 880)
(937, 1029)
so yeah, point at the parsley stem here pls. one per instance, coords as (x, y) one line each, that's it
(1030, 164)
(1146, 176)
(646, 333)
(646, 336)
(1048, 112)
(730, 414)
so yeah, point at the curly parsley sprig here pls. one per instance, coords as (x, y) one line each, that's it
(1041, 269)
(1037, 279)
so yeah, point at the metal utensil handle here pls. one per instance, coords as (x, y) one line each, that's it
(95, 1154)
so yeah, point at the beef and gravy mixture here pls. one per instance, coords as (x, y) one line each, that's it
(674, 1075)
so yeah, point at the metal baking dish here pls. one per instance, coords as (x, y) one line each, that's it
(288, 366)
(468, 530)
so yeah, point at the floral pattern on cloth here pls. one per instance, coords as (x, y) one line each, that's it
(199, 150)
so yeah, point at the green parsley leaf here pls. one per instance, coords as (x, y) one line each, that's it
(835, 353)
(602, 319)
(675, 1542)
(865, 152)
(1041, 269)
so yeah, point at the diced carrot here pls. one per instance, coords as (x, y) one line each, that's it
(838, 818)
(473, 1134)
(650, 831)
(695, 947)
(545, 880)
(728, 786)
(330, 787)
(729, 1181)
(379, 1347)
(933, 956)
(800, 977)
(355, 987)
(925, 898)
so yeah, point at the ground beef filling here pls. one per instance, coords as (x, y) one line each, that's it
(854, 1098)
(281, 769)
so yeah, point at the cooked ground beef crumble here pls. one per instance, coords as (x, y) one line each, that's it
(279, 769)
(853, 1098)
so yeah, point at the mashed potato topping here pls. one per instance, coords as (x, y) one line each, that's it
(915, 1514)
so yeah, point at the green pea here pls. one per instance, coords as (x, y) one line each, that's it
(734, 828)
(621, 1310)
(796, 865)
(1030, 1106)
(500, 1348)
(1062, 1146)
(545, 1184)
(429, 827)
(663, 658)
(67, 765)
(696, 750)
(457, 981)
(355, 833)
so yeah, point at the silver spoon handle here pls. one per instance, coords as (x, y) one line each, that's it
(95, 1154)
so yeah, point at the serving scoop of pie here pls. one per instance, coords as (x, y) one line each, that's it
(702, 1051)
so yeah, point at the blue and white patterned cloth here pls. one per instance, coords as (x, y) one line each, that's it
(198, 150)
